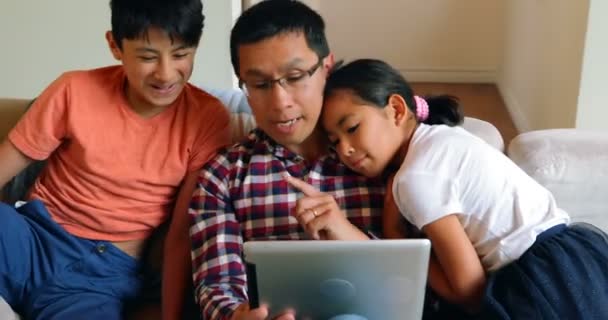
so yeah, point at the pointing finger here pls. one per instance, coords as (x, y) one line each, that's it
(306, 188)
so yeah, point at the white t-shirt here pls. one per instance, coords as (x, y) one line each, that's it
(447, 170)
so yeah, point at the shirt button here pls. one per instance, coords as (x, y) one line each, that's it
(101, 248)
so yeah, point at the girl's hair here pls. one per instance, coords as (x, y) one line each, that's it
(374, 81)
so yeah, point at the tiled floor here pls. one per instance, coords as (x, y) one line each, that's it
(479, 100)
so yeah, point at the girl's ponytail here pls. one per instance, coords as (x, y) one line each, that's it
(442, 109)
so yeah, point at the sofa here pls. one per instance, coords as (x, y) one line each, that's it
(572, 163)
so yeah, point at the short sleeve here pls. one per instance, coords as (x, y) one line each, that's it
(214, 134)
(426, 197)
(43, 127)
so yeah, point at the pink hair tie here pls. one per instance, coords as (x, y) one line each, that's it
(422, 108)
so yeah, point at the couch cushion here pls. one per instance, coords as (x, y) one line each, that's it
(485, 131)
(573, 165)
(6, 313)
(10, 111)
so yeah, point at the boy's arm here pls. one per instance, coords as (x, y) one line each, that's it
(12, 161)
(177, 269)
(218, 270)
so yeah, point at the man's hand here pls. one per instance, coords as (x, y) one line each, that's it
(243, 312)
(320, 216)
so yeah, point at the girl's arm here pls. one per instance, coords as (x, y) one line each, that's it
(392, 228)
(455, 271)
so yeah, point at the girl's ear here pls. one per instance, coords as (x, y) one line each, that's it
(397, 109)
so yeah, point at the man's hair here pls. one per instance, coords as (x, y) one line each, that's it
(273, 17)
(180, 19)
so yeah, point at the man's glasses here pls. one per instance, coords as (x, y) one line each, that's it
(291, 82)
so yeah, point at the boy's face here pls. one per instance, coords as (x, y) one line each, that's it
(288, 110)
(157, 69)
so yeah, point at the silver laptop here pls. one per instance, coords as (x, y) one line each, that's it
(339, 280)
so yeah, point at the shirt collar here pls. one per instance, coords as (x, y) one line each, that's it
(272, 147)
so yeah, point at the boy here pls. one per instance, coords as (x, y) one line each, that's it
(119, 142)
(281, 56)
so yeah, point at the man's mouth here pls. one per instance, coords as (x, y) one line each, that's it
(288, 123)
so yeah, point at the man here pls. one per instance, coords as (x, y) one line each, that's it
(280, 54)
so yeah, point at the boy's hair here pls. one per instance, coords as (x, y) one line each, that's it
(273, 17)
(374, 81)
(181, 19)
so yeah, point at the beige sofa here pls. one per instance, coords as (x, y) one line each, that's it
(573, 164)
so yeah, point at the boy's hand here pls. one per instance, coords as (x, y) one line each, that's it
(320, 216)
(243, 312)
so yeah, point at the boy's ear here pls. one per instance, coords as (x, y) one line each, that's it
(116, 52)
(397, 109)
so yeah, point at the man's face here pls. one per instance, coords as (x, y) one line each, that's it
(156, 67)
(287, 110)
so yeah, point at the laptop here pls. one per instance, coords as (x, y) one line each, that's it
(339, 280)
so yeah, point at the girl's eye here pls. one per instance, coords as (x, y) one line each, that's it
(352, 129)
(333, 144)
(180, 55)
(147, 58)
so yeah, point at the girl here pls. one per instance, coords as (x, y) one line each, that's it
(500, 242)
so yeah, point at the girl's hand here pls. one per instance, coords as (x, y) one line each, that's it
(392, 226)
(320, 216)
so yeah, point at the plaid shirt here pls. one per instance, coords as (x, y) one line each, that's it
(241, 195)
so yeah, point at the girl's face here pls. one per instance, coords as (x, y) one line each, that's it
(366, 138)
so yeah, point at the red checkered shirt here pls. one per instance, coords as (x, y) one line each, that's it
(241, 195)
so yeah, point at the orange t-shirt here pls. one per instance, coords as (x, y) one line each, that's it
(111, 174)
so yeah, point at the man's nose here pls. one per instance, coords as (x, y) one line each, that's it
(280, 97)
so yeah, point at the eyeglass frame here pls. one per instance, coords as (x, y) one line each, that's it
(281, 81)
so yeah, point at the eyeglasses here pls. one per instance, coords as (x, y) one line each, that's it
(291, 82)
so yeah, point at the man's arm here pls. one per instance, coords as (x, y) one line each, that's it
(12, 161)
(215, 233)
(177, 269)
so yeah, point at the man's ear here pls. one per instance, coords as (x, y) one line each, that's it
(116, 52)
(328, 62)
(397, 109)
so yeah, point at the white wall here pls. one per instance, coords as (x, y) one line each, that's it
(592, 110)
(431, 40)
(543, 54)
(213, 67)
(41, 39)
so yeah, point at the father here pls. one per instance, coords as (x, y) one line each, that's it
(280, 54)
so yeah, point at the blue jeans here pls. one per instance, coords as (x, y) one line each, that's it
(47, 273)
